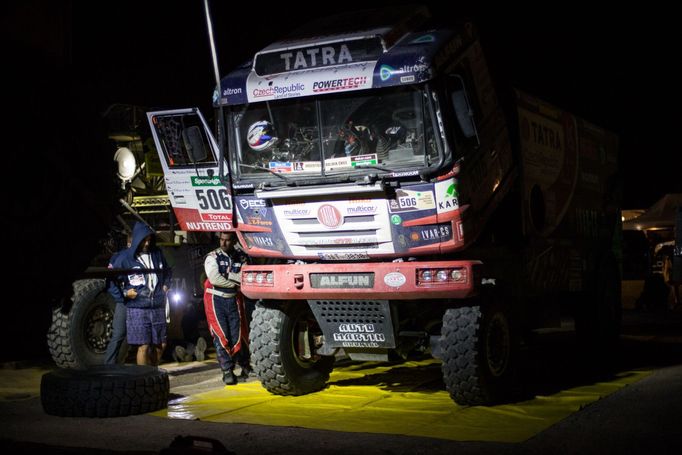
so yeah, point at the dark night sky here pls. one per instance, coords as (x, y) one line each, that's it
(618, 68)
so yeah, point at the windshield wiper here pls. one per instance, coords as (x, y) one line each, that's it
(373, 166)
(286, 179)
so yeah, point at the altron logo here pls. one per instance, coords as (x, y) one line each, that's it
(385, 72)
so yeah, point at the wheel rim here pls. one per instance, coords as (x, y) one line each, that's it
(302, 342)
(498, 344)
(98, 328)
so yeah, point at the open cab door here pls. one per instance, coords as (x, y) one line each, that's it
(189, 157)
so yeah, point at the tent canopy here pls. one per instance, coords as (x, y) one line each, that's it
(661, 215)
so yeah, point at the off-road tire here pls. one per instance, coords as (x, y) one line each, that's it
(104, 391)
(78, 336)
(273, 354)
(479, 350)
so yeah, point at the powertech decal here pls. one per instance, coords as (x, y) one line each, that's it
(348, 83)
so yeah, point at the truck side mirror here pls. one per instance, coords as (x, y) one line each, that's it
(463, 109)
(194, 144)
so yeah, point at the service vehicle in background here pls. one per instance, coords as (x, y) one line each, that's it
(401, 201)
(82, 322)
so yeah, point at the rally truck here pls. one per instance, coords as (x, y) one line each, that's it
(400, 202)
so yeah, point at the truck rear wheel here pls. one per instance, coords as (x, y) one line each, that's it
(78, 338)
(282, 352)
(479, 354)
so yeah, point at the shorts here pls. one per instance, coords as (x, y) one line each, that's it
(146, 325)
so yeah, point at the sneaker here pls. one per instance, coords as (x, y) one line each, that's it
(179, 354)
(229, 378)
(200, 349)
(246, 372)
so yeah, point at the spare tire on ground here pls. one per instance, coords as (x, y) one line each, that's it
(104, 391)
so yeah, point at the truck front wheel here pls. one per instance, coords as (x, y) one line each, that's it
(479, 354)
(282, 350)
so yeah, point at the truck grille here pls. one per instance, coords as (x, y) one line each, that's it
(306, 227)
(355, 323)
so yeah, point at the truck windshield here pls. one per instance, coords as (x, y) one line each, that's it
(357, 133)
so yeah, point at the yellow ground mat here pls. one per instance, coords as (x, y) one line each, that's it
(21, 383)
(392, 399)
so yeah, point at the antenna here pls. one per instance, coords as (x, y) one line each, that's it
(209, 24)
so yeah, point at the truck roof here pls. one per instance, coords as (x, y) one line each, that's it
(353, 51)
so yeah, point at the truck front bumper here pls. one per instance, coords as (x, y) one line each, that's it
(370, 280)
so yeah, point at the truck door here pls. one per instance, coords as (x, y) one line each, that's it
(189, 158)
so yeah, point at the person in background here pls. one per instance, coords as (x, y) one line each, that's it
(668, 257)
(224, 311)
(119, 322)
(145, 295)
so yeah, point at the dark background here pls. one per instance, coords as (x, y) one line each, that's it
(66, 61)
(617, 67)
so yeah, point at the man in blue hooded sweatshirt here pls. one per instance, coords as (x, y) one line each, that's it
(145, 295)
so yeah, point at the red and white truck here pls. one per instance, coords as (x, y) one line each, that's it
(400, 202)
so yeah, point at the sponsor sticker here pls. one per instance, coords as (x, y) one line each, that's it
(394, 279)
(363, 160)
(260, 240)
(329, 216)
(251, 203)
(342, 280)
(439, 232)
(206, 226)
(447, 196)
(215, 217)
(337, 163)
(205, 181)
(335, 85)
(279, 166)
(356, 256)
(412, 201)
